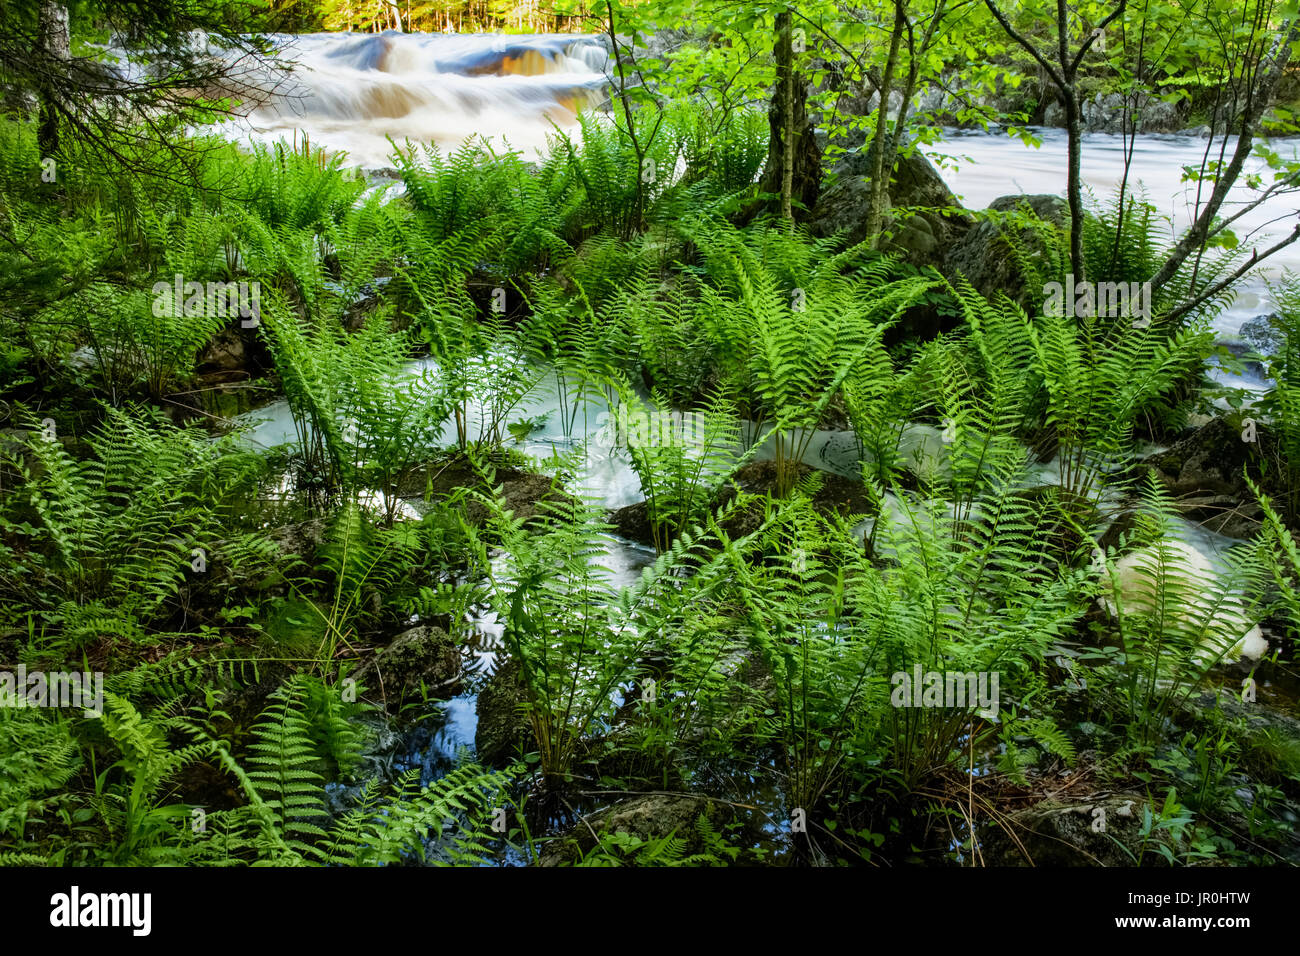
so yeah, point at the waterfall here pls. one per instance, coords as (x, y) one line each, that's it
(354, 92)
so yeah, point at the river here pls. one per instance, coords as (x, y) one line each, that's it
(360, 93)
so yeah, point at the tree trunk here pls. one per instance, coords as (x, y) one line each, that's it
(1074, 179)
(882, 166)
(54, 45)
(785, 90)
(793, 169)
(1074, 141)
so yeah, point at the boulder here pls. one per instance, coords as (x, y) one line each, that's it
(920, 234)
(523, 491)
(225, 352)
(422, 660)
(1108, 113)
(302, 538)
(1262, 335)
(633, 522)
(1094, 831)
(1253, 370)
(650, 817)
(503, 731)
(1203, 471)
(984, 255)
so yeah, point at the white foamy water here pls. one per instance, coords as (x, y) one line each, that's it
(989, 166)
(363, 93)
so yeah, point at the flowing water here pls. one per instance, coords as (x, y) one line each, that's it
(363, 94)
(988, 166)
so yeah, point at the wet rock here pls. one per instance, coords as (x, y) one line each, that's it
(423, 660)
(523, 491)
(225, 352)
(503, 732)
(1242, 351)
(835, 493)
(1203, 471)
(1089, 832)
(1262, 335)
(633, 522)
(367, 302)
(233, 354)
(984, 254)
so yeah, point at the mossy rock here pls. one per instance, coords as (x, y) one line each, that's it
(419, 662)
(503, 732)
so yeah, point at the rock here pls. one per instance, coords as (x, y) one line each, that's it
(14, 442)
(234, 354)
(301, 539)
(1242, 351)
(1110, 112)
(523, 491)
(1088, 832)
(1204, 473)
(224, 353)
(1160, 116)
(920, 234)
(1260, 719)
(650, 817)
(503, 732)
(422, 660)
(633, 522)
(1262, 335)
(367, 302)
(984, 255)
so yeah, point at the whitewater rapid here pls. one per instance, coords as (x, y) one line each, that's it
(365, 94)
